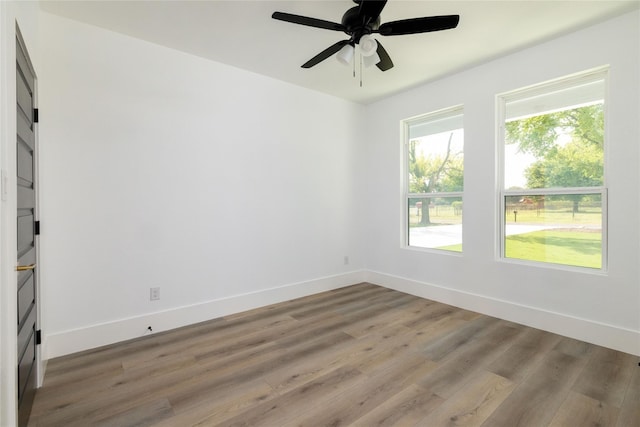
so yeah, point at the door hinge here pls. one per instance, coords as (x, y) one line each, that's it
(36, 228)
(38, 337)
(36, 116)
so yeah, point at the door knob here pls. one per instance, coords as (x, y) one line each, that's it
(25, 267)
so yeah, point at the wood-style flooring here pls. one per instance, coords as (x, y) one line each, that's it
(357, 356)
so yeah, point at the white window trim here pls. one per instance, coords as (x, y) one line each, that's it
(530, 91)
(404, 181)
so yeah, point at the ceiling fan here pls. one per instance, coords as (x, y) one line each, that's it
(360, 22)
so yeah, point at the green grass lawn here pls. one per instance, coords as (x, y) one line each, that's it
(576, 248)
(452, 248)
(582, 249)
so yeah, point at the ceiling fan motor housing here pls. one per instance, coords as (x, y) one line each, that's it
(357, 25)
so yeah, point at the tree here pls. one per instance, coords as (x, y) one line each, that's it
(576, 163)
(573, 165)
(434, 174)
(539, 134)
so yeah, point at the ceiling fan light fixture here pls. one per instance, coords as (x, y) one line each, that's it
(345, 55)
(368, 45)
(370, 60)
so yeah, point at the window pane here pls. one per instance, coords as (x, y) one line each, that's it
(556, 139)
(436, 162)
(560, 229)
(435, 222)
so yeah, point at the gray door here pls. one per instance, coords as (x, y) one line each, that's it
(26, 209)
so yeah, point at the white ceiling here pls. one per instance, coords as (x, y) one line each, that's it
(242, 34)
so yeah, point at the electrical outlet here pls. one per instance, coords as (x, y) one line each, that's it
(346, 260)
(154, 294)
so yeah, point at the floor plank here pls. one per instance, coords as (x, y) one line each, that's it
(607, 376)
(143, 415)
(535, 401)
(581, 410)
(453, 372)
(278, 411)
(373, 389)
(473, 404)
(630, 411)
(525, 354)
(406, 408)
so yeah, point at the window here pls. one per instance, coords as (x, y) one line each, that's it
(553, 196)
(433, 146)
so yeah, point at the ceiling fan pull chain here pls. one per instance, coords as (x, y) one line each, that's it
(360, 69)
(354, 69)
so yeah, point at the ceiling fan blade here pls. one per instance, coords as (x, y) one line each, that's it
(385, 60)
(309, 22)
(325, 53)
(419, 25)
(371, 8)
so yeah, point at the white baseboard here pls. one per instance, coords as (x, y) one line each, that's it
(625, 340)
(72, 341)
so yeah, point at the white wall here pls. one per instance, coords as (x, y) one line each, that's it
(24, 15)
(599, 308)
(224, 188)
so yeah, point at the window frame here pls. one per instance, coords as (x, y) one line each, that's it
(405, 181)
(573, 80)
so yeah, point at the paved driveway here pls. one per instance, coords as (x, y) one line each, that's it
(445, 235)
